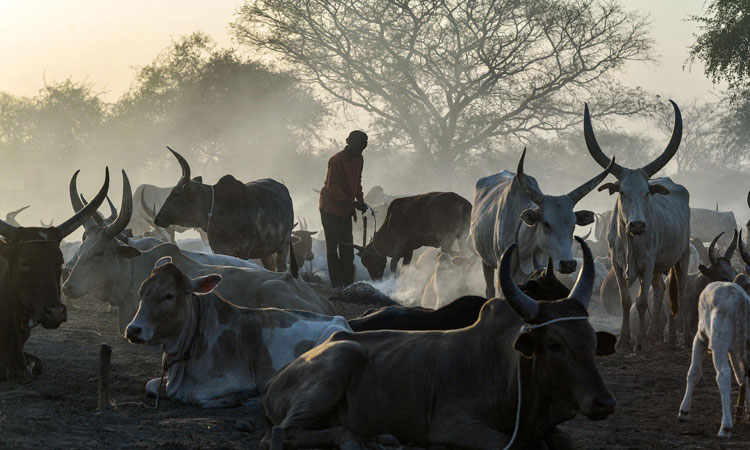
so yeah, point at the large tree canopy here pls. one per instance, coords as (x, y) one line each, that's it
(447, 76)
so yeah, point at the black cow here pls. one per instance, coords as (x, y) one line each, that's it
(30, 272)
(462, 312)
(250, 220)
(435, 219)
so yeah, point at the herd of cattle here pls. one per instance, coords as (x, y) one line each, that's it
(461, 370)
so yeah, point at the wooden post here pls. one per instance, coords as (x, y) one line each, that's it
(105, 377)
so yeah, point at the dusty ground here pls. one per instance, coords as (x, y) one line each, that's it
(57, 409)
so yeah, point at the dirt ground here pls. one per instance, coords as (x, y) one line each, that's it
(58, 409)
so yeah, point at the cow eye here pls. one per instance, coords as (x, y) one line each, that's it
(547, 225)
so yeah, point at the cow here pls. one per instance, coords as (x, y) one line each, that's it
(250, 220)
(148, 213)
(302, 242)
(11, 216)
(434, 219)
(649, 232)
(111, 270)
(744, 254)
(723, 328)
(707, 223)
(30, 285)
(452, 277)
(460, 313)
(511, 208)
(456, 388)
(218, 354)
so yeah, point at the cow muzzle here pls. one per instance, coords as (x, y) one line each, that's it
(636, 227)
(53, 316)
(567, 266)
(133, 333)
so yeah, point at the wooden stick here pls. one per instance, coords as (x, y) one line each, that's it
(105, 376)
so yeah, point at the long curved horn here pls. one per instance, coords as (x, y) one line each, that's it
(549, 273)
(11, 216)
(748, 198)
(97, 216)
(594, 150)
(126, 209)
(184, 165)
(112, 211)
(586, 237)
(96, 220)
(7, 230)
(674, 143)
(712, 249)
(81, 216)
(732, 245)
(533, 193)
(522, 304)
(581, 191)
(585, 283)
(743, 251)
(46, 225)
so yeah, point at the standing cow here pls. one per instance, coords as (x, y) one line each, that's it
(250, 220)
(649, 232)
(707, 223)
(511, 208)
(435, 219)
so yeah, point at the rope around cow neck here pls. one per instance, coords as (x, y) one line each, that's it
(525, 329)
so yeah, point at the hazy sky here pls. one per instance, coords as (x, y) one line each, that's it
(101, 41)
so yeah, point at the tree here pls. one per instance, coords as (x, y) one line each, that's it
(448, 77)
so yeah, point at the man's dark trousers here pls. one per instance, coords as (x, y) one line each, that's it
(339, 249)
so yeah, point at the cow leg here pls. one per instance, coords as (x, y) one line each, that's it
(281, 255)
(269, 263)
(623, 343)
(489, 280)
(739, 374)
(693, 377)
(408, 255)
(469, 436)
(641, 304)
(724, 380)
(689, 312)
(655, 331)
(559, 439)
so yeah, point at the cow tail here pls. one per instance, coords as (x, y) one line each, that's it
(293, 267)
(674, 289)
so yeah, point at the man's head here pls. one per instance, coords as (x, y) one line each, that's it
(357, 141)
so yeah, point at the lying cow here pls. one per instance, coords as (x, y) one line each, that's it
(457, 388)
(460, 313)
(723, 319)
(435, 219)
(218, 354)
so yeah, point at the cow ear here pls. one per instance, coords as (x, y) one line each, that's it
(612, 187)
(705, 271)
(199, 179)
(584, 218)
(163, 260)
(658, 189)
(605, 343)
(127, 251)
(205, 284)
(530, 217)
(525, 343)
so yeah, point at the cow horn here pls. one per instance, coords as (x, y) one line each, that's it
(732, 246)
(533, 193)
(78, 203)
(184, 165)
(586, 237)
(585, 283)
(7, 230)
(748, 198)
(549, 273)
(594, 150)
(81, 216)
(522, 304)
(11, 216)
(743, 252)
(674, 143)
(97, 216)
(712, 249)
(112, 211)
(359, 248)
(47, 225)
(581, 191)
(126, 209)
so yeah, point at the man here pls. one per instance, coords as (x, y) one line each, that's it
(340, 195)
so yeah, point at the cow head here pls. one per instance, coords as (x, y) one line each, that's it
(302, 244)
(166, 305)
(564, 368)
(35, 264)
(632, 186)
(720, 268)
(551, 221)
(373, 261)
(188, 203)
(100, 258)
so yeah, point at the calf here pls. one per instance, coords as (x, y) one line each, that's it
(456, 388)
(217, 354)
(723, 319)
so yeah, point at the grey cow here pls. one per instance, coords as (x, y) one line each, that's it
(649, 233)
(510, 208)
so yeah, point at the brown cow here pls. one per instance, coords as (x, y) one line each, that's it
(455, 388)
(435, 219)
(30, 291)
